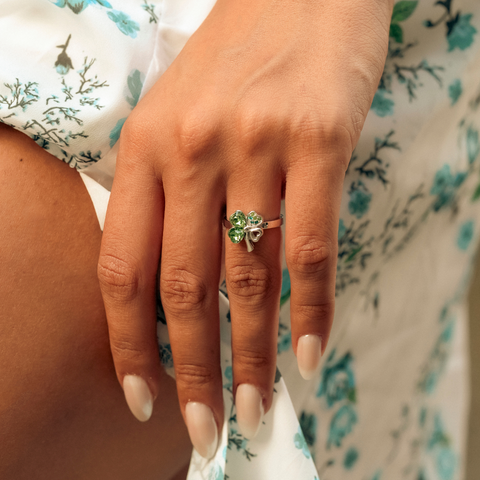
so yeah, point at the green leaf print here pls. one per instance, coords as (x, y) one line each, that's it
(476, 193)
(403, 9)
(135, 84)
(396, 32)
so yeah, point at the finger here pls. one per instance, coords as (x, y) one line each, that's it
(253, 285)
(190, 271)
(313, 196)
(127, 270)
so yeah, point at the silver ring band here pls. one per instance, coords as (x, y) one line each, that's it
(268, 224)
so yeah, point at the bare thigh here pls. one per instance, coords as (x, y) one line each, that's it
(62, 411)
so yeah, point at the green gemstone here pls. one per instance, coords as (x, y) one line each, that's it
(254, 218)
(238, 220)
(236, 234)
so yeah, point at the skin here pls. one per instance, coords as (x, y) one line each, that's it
(61, 408)
(267, 100)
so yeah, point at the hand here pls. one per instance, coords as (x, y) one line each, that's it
(266, 97)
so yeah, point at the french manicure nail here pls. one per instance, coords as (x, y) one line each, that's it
(309, 351)
(138, 396)
(201, 428)
(249, 407)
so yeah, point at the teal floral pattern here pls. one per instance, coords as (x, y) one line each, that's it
(124, 23)
(381, 104)
(301, 443)
(351, 457)
(135, 84)
(337, 381)
(445, 186)
(341, 425)
(455, 90)
(465, 235)
(78, 6)
(462, 33)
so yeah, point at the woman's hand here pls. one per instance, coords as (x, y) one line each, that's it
(267, 97)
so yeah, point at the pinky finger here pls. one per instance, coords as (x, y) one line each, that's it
(313, 199)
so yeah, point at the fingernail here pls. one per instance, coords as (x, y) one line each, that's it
(138, 396)
(202, 429)
(309, 351)
(249, 407)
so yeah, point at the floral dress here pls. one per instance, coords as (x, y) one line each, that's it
(390, 400)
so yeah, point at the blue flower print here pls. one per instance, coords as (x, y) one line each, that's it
(308, 423)
(359, 203)
(473, 145)
(437, 360)
(455, 89)
(300, 443)
(445, 186)
(229, 376)
(439, 446)
(216, 472)
(445, 462)
(338, 380)
(461, 35)
(382, 106)
(465, 235)
(166, 355)
(115, 133)
(438, 436)
(77, 6)
(284, 343)
(341, 425)
(124, 23)
(286, 287)
(351, 457)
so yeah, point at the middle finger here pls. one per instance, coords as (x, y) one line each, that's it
(189, 277)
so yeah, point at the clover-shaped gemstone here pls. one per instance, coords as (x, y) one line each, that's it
(236, 234)
(238, 220)
(254, 218)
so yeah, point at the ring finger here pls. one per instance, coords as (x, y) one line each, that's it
(253, 285)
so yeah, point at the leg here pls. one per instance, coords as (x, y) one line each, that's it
(62, 411)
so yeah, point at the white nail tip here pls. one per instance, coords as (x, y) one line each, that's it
(249, 407)
(138, 396)
(202, 428)
(309, 350)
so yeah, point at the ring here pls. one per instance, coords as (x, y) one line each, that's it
(249, 227)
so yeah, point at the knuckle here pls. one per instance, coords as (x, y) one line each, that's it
(124, 350)
(252, 359)
(194, 375)
(316, 313)
(251, 282)
(181, 290)
(118, 278)
(337, 132)
(197, 133)
(254, 127)
(133, 135)
(310, 255)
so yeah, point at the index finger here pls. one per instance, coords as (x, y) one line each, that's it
(127, 271)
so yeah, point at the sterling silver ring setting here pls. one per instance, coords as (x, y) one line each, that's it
(249, 227)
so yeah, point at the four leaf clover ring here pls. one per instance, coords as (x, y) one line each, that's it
(249, 227)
